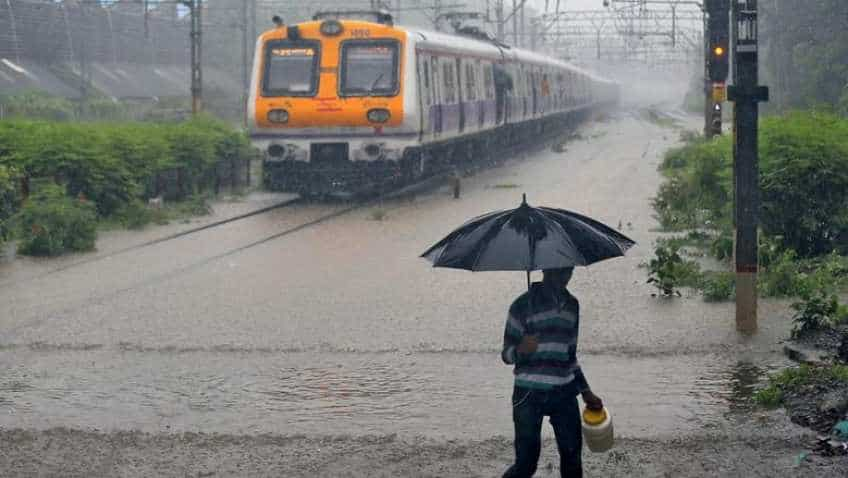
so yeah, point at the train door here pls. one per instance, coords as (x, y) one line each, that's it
(438, 96)
(481, 87)
(533, 75)
(503, 87)
(426, 94)
(459, 95)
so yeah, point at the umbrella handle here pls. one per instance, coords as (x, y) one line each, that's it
(529, 303)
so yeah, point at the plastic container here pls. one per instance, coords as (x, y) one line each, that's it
(597, 430)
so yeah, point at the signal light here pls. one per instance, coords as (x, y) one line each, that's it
(719, 64)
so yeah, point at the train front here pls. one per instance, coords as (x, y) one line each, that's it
(331, 107)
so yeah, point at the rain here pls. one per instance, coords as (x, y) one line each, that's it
(219, 221)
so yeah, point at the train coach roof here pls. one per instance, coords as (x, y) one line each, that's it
(472, 46)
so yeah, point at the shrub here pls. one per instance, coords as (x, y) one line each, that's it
(804, 181)
(51, 223)
(8, 199)
(34, 104)
(718, 286)
(134, 215)
(668, 271)
(816, 311)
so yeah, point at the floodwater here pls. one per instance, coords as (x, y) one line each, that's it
(339, 328)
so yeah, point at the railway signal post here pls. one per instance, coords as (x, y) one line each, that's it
(746, 94)
(717, 33)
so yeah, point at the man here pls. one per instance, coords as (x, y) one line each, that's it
(541, 341)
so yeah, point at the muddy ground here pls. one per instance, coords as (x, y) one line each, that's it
(76, 453)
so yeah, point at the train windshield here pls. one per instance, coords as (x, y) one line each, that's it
(369, 68)
(291, 69)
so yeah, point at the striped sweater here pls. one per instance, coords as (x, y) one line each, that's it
(555, 321)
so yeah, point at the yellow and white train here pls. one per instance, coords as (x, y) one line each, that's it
(343, 105)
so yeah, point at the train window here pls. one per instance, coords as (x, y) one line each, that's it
(291, 68)
(489, 81)
(369, 68)
(450, 83)
(470, 82)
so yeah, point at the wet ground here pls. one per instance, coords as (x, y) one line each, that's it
(319, 350)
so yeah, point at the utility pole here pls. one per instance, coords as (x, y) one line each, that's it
(514, 23)
(746, 95)
(245, 60)
(522, 40)
(195, 7)
(499, 17)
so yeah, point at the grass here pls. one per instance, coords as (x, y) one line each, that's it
(796, 378)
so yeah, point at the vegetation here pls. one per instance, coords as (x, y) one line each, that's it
(52, 223)
(793, 379)
(804, 215)
(805, 67)
(816, 311)
(116, 167)
(39, 105)
(8, 199)
(669, 271)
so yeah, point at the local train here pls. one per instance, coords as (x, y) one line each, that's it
(346, 105)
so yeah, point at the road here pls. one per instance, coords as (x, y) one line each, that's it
(312, 341)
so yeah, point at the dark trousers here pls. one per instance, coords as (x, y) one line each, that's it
(528, 410)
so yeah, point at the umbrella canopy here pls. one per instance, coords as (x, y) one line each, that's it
(527, 239)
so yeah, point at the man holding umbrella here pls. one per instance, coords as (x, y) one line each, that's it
(541, 331)
(542, 345)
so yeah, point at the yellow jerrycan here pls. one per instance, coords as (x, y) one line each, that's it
(597, 430)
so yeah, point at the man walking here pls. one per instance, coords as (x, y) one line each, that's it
(541, 341)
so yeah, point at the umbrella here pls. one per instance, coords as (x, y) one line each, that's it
(527, 239)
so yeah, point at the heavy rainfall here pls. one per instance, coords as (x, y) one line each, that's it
(219, 221)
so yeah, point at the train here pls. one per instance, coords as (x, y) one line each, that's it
(349, 102)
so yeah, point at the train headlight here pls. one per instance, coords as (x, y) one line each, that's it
(331, 28)
(379, 115)
(278, 116)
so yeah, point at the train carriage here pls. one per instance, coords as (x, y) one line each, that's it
(348, 105)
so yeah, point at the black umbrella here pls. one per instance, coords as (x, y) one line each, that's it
(528, 239)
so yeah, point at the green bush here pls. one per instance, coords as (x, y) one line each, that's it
(697, 192)
(8, 199)
(134, 215)
(805, 181)
(34, 104)
(816, 311)
(668, 270)
(51, 223)
(718, 286)
(115, 164)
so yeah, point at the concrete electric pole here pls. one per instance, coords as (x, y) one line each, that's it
(195, 7)
(746, 94)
